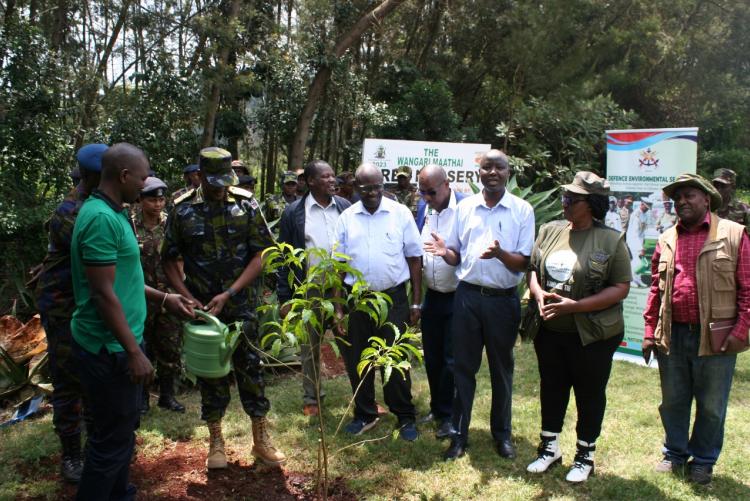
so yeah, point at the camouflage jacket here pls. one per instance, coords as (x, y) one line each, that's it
(408, 198)
(274, 206)
(149, 242)
(54, 288)
(736, 211)
(216, 241)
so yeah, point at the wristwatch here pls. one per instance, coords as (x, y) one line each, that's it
(416, 307)
(231, 292)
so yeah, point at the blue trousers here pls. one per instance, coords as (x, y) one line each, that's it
(491, 322)
(437, 342)
(112, 406)
(686, 376)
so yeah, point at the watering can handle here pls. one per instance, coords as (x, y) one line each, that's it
(211, 319)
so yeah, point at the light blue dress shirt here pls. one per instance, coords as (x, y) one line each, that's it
(510, 222)
(379, 243)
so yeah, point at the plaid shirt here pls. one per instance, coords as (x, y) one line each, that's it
(685, 289)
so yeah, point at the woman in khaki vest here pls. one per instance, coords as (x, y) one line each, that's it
(580, 273)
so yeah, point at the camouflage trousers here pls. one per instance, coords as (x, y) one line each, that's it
(67, 395)
(162, 334)
(247, 372)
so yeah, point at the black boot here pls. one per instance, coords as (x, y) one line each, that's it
(145, 405)
(71, 464)
(166, 395)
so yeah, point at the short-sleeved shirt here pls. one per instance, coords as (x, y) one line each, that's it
(437, 274)
(565, 266)
(379, 243)
(477, 226)
(104, 236)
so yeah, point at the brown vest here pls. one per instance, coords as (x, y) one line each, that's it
(715, 275)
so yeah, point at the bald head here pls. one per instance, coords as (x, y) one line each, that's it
(433, 173)
(434, 187)
(495, 157)
(368, 173)
(122, 156)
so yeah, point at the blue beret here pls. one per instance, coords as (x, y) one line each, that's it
(90, 156)
(191, 168)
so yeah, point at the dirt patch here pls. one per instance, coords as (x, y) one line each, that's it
(179, 473)
(332, 365)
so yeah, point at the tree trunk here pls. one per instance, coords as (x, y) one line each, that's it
(302, 130)
(212, 105)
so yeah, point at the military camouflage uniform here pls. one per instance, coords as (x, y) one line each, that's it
(162, 331)
(274, 205)
(736, 211)
(217, 240)
(55, 301)
(407, 197)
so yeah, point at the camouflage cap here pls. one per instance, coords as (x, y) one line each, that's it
(404, 170)
(725, 176)
(216, 164)
(587, 183)
(288, 177)
(695, 181)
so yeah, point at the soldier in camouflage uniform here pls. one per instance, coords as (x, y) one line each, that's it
(162, 331)
(725, 181)
(54, 295)
(192, 175)
(220, 233)
(405, 193)
(275, 203)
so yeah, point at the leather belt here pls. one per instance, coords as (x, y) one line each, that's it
(489, 291)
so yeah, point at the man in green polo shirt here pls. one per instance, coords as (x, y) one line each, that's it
(107, 324)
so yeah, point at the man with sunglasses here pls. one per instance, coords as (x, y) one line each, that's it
(436, 213)
(383, 242)
(490, 243)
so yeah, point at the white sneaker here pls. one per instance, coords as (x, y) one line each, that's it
(548, 453)
(583, 465)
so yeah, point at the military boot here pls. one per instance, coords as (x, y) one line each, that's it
(216, 457)
(166, 395)
(263, 449)
(71, 464)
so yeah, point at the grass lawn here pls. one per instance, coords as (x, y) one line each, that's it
(392, 469)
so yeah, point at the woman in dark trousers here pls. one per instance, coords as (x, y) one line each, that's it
(580, 273)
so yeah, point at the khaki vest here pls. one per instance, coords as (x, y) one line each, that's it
(715, 276)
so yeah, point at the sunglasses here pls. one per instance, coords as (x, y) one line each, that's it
(369, 188)
(566, 200)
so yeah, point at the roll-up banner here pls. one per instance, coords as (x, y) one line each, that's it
(639, 164)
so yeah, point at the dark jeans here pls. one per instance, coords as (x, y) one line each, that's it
(437, 342)
(397, 392)
(112, 405)
(686, 376)
(491, 322)
(564, 363)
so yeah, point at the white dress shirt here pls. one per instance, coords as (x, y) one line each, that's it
(379, 243)
(439, 275)
(510, 222)
(320, 225)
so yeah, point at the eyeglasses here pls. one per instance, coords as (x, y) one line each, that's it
(566, 200)
(369, 188)
(431, 193)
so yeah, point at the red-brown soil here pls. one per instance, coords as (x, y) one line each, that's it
(332, 365)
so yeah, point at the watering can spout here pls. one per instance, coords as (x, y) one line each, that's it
(233, 339)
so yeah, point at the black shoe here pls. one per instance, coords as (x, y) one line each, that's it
(505, 449)
(445, 430)
(701, 473)
(170, 403)
(456, 450)
(71, 464)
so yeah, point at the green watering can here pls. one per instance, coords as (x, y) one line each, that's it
(208, 345)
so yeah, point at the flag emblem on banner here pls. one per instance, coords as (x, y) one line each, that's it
(648, 161)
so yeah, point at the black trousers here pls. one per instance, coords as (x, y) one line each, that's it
(437, 343)
(491, 322)
(397, 392)
(112, 405)
(564, 363)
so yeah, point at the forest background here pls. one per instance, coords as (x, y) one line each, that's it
(283, 81)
